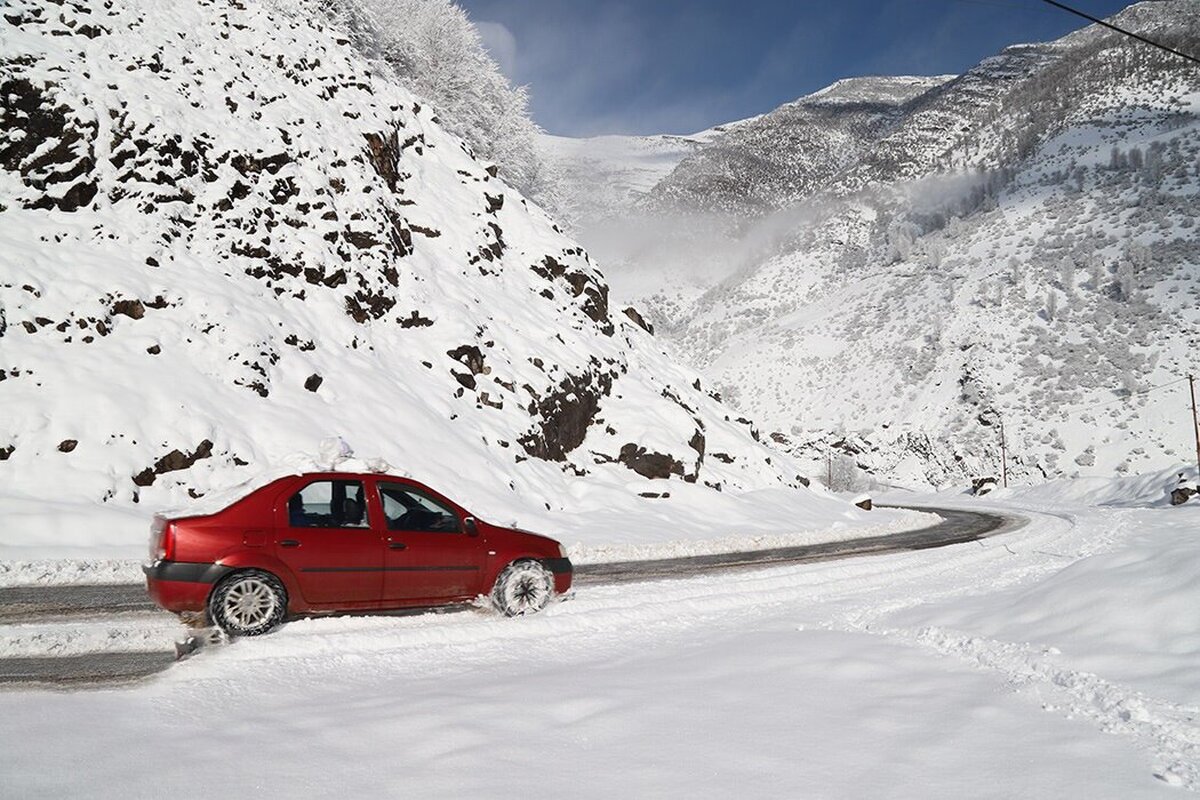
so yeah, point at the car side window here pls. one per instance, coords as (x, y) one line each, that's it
(409, 510)
(329, 504)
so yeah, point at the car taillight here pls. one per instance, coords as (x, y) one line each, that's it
(162, 540)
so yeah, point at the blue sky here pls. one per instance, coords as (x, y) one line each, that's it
(678, 66)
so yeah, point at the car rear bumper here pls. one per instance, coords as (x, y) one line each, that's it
(180, 585)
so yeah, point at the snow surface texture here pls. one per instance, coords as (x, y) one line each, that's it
(1059, 661)
(136, 633)
(226, 235)
(886, 269)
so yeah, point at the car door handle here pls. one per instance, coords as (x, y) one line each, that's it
(397, 545)
(289, 543)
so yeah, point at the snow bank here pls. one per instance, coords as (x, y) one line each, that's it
(1149, 489)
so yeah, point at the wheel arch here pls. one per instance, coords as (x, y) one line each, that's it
(501, 563)
(242, 562)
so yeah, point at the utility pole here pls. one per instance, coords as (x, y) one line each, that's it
(1003, 455)
(1195, 417)
(829, 469)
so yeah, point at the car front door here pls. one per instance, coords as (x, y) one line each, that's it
(428, 554)
(328, 542)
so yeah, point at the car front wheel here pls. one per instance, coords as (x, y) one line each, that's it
(248, 603)
(524, 587)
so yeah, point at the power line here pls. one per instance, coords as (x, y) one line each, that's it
(1122, 31)
(1132, 395)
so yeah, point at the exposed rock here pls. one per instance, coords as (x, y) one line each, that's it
(130, 308)
(983, 485)
(469, 356)
(365, 305)
(565, 415)
(67, 445)
(384, 152)
(360, 239)
(639, 320)
(53, 147)
(430, 233)
(173, 462)
(415, 320)
(313, 382)
(648, 464)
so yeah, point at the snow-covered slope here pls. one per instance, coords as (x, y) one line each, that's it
(1018, 245)
(779, 157)
(225, 236)
(604, 177)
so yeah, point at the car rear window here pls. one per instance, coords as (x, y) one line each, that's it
(329, 504)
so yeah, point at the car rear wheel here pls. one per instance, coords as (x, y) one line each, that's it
(248, 603)
(524, 587)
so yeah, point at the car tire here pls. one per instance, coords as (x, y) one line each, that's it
(248, 603)
(523, 587)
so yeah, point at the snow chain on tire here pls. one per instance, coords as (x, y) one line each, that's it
(523, 587)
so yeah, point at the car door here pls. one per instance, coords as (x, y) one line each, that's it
(428, 555)
(327, 540)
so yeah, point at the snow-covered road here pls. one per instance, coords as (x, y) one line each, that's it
(1017, 667)
(90, 635)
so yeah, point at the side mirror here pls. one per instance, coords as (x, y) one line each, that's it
(472, 528)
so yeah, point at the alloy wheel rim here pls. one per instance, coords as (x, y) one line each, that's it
(249, 603)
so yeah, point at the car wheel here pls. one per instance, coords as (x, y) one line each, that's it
(248, 603)
(524, 587)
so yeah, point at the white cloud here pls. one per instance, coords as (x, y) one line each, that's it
(501, 45)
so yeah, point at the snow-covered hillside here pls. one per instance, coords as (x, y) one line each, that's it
(785, 155)
(603, 177)
(225, 234)
(1016, 244)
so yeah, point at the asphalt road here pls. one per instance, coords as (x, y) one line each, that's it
(956, 527)
(56, 603)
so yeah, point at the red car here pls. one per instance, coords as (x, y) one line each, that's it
(338, 541)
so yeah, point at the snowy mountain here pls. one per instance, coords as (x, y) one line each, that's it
(784, 155)
(1015, 244)
(226, 233)
(603, 177)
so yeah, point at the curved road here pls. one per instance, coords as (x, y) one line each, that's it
(46, 603)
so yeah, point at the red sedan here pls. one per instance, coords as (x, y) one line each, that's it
(336, 541)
